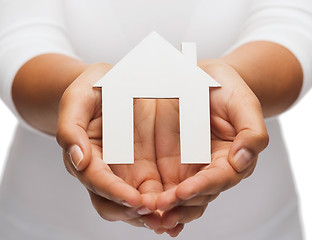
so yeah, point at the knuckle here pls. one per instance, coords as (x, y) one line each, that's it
(229, 182)
(263, 137)
(174, 217)
(113, 213)
(70, 171)
(256, 102)
(60, 134)
(266, 138)
(201, 211)
(249, 173)
(67, 164)
(104, 209)
(88, 184)
(106, 216)
(201, 200)
(208, 199)
(263, 134)
(212, 198)
(110, 219)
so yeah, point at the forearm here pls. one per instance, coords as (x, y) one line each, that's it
(271, 71)
(39, 85)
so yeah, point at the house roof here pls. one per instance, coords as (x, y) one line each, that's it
(156, 64)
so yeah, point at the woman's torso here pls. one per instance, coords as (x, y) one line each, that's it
(40, 200)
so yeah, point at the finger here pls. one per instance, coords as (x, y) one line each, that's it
(144, 177)
(150, 190)
(151, 221)
(144, 112)
(167, 140)
(76, 111)
(201, 200)
(252, 136)
(243, 110)
(175, 231)
(167, 199)
(68, 165)
(144, 154)
(77, 107)
(135, 222)
(167, 128)
(249, 173)
(213, 179)
(148, 224)
(246, 147)
(181, 215)
(99, 179)
(112, 211)
(160, 230)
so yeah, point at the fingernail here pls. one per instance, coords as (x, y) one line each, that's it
(192, 196)
(143, 211)
(75, 155)
(126, 204)
(145, 224)
(243, 159)
(168, 227)
(148, 227)
(160, 231)
(176, 224)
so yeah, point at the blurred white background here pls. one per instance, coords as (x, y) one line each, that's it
(297, 125)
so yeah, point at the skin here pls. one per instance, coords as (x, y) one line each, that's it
(263, 77)
(197, 185)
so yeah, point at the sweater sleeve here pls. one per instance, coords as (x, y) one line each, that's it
(287, 23)
(28, 29)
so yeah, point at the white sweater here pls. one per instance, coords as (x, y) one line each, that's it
(39, 200)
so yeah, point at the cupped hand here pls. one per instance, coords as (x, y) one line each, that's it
(238, 135)
(118, 192)
(126, 192)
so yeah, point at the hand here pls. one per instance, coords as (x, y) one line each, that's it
(238, 135)
(118, 192)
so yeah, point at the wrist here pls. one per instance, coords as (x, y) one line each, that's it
(96, 70)
(39, 85)
(271, 71)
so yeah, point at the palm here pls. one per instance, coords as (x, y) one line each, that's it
(143, 175)
(114, 187)
(168, 145)
(168, 140)
(156, 136)
(169, 162)
(116, 191)
(232, 126)
(226, 109)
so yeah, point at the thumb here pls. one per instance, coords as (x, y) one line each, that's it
(150, 190)
(75, 112)
(77, 107)
(252, 136)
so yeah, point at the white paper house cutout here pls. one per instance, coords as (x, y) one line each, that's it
(155, 69)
